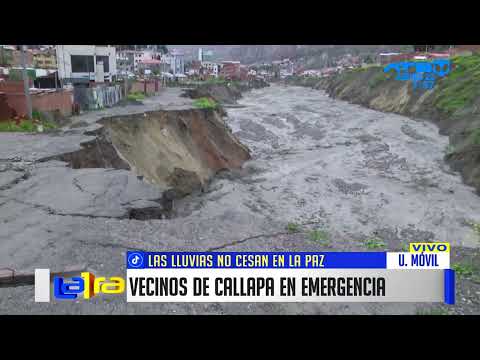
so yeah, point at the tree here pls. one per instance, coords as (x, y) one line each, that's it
(442, 47)
(162, 48)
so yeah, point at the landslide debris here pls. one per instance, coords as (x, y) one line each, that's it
(179, 150)
(97, 153)
(227, 92)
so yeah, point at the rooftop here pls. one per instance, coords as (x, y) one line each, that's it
(150, 62)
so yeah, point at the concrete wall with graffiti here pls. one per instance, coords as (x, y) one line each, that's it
(97, 97)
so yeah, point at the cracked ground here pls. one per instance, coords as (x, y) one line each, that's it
(351, 173)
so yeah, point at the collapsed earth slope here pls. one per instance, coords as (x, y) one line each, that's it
(181, 149)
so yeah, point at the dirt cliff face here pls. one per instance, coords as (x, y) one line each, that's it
(454, 109)
(179, 149)
(374, 89)
(227, 93)
(221, 93)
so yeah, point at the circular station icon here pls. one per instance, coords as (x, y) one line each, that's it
(135, 260)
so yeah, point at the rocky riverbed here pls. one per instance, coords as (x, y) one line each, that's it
(359, 179)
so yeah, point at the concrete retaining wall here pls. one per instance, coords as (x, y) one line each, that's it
(151, 87)
(97, 97)
(61, 101)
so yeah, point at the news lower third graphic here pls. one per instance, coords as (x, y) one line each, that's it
(421, 275)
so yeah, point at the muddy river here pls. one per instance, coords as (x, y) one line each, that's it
(355, 173)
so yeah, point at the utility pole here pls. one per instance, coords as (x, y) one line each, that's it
(126, 71)
(26, 86)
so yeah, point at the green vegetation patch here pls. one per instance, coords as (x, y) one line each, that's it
(25, 125)
(374, 243)
(318, 235)
(215, 81)
(474, 137)
(377, 79)
(467, 262)
(137, 96)
(293, 227)
(17, 74)
(405, 247)
(464, 269)
(434, 311)
(12, 126)
(450, 149)
(461, 86)
(205, 103)
(475, 226)
(311, 81)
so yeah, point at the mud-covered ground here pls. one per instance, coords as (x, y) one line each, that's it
(363, 179)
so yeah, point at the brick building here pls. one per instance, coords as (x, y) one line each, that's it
(9, 56)
(233, 70)
(13, 101)
(465, 49)
(44, 59)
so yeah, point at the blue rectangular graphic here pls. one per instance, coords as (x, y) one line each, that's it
(256, 260)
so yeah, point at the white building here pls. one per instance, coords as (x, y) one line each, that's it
(211, 68)
(312, 73)
(127, 60)
(176, 62)
(131, 60)
(145, 55)
(205, 55)
(85, 63)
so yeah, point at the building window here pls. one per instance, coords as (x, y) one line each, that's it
(106, 67)
(82, 63)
